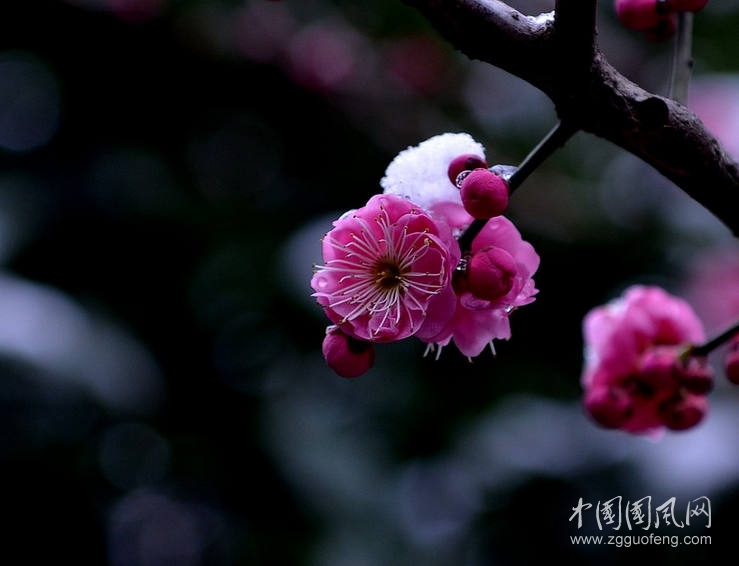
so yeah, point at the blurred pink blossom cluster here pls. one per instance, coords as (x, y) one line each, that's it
(641, 374)
(330, 55)
(394, 268)
(646, 354)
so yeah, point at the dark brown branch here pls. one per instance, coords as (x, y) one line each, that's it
(575, 33)
(560, 57)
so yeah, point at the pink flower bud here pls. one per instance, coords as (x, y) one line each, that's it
(610, 407)
(638, 15)
(662, 368)
(658, 367)
(484, 194)
(347, 356)
(696, 375)
(683, 412)
(491, 273)
(465, 162)
(686, 5)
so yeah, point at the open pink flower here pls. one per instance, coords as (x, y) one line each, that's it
(509, 262)
(393, 268)
(384, 264)
(636, 375)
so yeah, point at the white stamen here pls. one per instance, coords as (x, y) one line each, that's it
(375, 273)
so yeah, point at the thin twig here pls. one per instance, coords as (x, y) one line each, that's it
(713, 343)
(682, 58)
(554, 140)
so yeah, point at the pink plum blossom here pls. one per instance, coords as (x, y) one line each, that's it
(638, 375)
(477, 321)
(394, 268)
(384, 264)
(495, 276)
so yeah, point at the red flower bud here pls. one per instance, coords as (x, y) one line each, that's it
(696, 375)
(465, 162)
(347, 356)
(610, 407)
(640, 15)
(491, 273)
(484, 194)
(683, 412)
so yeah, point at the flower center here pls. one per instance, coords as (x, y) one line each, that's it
(388, 275)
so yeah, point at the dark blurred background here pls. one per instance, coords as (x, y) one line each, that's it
(167, 168)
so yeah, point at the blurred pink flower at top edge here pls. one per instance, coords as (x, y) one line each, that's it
(417, 63)
(326, 56)
(384, 265)
(634, 377)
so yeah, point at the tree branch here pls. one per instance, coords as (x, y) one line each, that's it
(558, 54)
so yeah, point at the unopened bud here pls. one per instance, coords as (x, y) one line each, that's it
(484, 194)
(347, 356)
(639, 15)
(610, 407)
(465, 162)
(696, 375)
(491, 273)
(683, 412)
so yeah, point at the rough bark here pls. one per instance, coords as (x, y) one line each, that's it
(559, 55)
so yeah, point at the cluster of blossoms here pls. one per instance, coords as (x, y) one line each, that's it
(639, 375)
(643, 371)
(394, 268)
(657, 19)
(433, 257)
